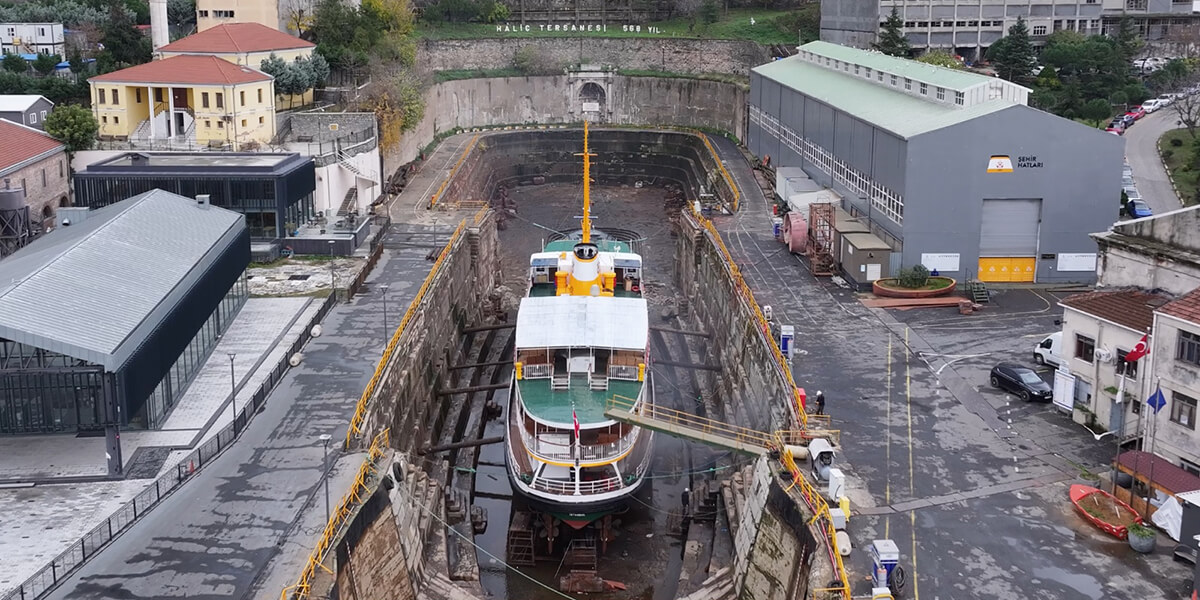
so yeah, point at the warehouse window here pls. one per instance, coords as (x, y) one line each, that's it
(856, 69)
(880, 76)
(868, 72)
(907, 84)
(893, 80)
(924, 89)
(941, 93)
(958, 98)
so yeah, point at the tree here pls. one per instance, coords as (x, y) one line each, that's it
(1128, 39)
(320, 69)
(891, 38)
(1012, 55)
(46, 63)
(1187, 110)
(73, 125)
(941, 58)
(1097, 111)
(13, 63)
(181, 14)
(124, 45)
(709, 12)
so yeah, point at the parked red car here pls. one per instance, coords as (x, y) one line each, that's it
(1136, 112)
(1117, 126)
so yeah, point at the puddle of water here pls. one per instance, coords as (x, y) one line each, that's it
(1084, 584)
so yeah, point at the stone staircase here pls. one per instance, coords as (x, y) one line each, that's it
(349, 203)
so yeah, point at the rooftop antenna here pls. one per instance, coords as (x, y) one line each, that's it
(587, 179)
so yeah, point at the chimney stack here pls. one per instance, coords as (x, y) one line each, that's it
(202, 200)
(159, 28)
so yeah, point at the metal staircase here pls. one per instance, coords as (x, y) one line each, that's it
(581, 555)
(349, 203)
(978, 291)
(520, 540)
(345, 161)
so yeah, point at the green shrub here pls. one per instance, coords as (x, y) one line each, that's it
(1168, 153)
(913, 278)
(1176, 142)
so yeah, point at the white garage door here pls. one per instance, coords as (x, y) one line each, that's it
(1010, 227)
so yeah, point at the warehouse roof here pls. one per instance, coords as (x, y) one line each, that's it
(952, 79)
(902, 114)
(94, 290)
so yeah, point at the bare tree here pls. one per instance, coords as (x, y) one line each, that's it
(1186, 106)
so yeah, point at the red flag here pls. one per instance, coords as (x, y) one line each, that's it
(1141, 349)
(576, 420)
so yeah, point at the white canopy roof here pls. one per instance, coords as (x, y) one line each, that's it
(582, 321)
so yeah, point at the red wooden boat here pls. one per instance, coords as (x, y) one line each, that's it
(1101, 501)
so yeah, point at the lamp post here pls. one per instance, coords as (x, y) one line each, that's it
(386, 332)
(332, 271)
(233, 389)
(325, 437)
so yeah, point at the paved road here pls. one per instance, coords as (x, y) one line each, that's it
(1141, 150)
(216, 534)
(976, 508)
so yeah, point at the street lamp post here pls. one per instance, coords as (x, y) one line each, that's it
(386, 332)
(332, 271)
(233, 389)
(325, 437)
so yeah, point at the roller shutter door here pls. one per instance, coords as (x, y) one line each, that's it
(1010, 227)
(1008, 241)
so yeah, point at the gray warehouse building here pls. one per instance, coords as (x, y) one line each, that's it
(949, 169)
(105, 320)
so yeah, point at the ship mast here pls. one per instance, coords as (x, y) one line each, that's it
(587, 180)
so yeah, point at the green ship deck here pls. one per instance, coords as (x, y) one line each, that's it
(555, 405)
(603, 245)
(545, 290)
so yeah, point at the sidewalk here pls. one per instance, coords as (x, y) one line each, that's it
(44, 519)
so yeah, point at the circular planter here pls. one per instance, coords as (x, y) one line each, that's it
(890, 288)
(1143, 544)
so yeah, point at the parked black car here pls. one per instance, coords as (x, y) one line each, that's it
(1021, 381)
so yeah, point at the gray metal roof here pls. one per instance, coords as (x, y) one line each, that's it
(951, 79)
(902, 114)
(95, 290)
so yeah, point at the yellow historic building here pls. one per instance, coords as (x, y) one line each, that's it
(187, 100)
(246, 44)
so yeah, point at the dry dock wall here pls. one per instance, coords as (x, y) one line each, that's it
(674, 55)
(546, 100)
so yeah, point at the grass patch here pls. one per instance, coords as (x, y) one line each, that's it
(732, 25)
(457, 74)
(934, 283)
(1183, 175)
(744, 82)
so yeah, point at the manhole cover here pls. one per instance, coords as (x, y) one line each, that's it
(298, 278)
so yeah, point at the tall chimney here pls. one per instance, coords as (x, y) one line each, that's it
(159, 28)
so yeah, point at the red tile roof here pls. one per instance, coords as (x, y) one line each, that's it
(21, 143)
(186, 70)
(237, 37)
(1166, 475)
(1132, 308)
(1186, 308)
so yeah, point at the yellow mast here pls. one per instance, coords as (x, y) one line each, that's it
(587, 180)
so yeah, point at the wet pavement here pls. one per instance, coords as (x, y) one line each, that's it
(978, 508)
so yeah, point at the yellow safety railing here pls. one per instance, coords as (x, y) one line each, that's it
(797, 401)
(337, 519)
(360, 410)
(724, 173)
(820, 510)
(700, 424)
(462, 158)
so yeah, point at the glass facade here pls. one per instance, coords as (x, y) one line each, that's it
(156, 408)
(42, 392)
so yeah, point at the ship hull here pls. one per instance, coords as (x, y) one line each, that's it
(575, 514)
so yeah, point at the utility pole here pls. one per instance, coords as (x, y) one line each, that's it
(332, 271)
(233, 389)
(325, 437)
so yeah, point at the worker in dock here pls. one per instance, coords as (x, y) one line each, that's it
(820, 402)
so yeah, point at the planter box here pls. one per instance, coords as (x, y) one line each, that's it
(898, 292)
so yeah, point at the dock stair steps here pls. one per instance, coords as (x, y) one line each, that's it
(520, 540)
(978, 291)
(581, 555)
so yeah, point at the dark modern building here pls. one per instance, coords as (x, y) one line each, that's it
(105, 320)
(273, 190)
(950, 169)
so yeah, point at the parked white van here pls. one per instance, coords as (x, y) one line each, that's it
(1049, 350)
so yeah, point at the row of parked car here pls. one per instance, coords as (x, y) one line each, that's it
(1122, 122)
(1134, 207)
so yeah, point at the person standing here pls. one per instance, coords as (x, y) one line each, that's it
(820, 402)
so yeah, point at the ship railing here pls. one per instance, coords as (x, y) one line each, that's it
(627, 372)
(585, 488)
(553, 450)
(542, 371)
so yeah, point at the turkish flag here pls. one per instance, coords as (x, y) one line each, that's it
(575, 418)
(1141, 349)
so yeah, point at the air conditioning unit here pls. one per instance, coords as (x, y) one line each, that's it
(1103, 355)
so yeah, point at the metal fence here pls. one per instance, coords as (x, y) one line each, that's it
(49, 576)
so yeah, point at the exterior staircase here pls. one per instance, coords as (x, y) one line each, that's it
(142, 131)
(598, 383)
(520, 540)
(581, 555)
(560, 382)
(978, 291)
(345, 161)
(349, 203)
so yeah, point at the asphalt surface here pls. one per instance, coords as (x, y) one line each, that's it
(213, 537)
(1141, 150)
(978, 508)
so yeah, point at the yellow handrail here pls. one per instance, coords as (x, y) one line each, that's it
(820, 510)
(705, 425)
(337, 518)
(721, 166)
(438, 194)
(360, 410)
